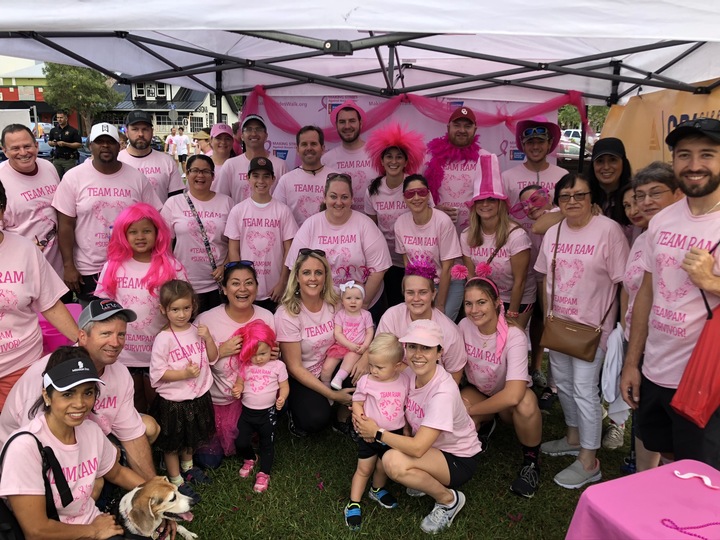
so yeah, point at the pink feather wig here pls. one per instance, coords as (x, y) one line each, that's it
(252, 334)
(410, 143)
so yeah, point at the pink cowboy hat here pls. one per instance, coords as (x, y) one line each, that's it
(552, 131)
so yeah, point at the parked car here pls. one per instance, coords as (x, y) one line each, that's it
(44, 149)
(570, 151)
(574, 134)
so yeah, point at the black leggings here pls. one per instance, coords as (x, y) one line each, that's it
(263, 423)
(311, 411)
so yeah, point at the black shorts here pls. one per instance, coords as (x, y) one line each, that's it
(141, 371)
(367, 450)
(664, 430)
(524, 308)
(182, 158)
(461, 468)
(87, 288)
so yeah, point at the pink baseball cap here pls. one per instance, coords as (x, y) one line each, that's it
(424, 332)
(219, 129)
(349, 104)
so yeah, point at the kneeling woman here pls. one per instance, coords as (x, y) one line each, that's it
(441, 454)
(498, 379)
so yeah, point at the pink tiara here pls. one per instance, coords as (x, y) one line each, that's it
(421, 268)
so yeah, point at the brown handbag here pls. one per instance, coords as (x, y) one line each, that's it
(569, 337)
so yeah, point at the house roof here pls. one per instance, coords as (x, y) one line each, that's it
(184, 100)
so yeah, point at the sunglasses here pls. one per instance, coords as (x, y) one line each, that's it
(308, 251)
(420, 192)
(244, 264)
(333, 176)
(536, 200)
(535, 131)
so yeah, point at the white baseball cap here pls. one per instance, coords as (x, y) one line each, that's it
(103, 128)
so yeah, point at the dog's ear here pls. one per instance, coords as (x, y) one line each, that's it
(142, 517)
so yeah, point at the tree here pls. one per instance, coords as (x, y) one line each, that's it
(569, 117)
(79, 89)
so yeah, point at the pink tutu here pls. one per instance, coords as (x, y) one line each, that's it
(226, 420)
(337, 351)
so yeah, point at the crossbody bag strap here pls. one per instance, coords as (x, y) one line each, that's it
(202, 231)
(497, 248)
(552, 266)
(707, 304)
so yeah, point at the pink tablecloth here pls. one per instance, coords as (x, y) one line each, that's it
(635, 506)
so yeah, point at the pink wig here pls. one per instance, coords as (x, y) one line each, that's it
(252, 334)
(409, 143)
(163, 265)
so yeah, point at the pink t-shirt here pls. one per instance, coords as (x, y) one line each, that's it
(384, 401)
(590, 261)
(189, 246)
(232, 179)
(438, 405)
(302, 192)
(358, 165)
(114, 409)
(397, 319)
(678, 313)
(484, 370)
(95, 200)
(434, 242)
(91, 457)
(262, 384)
(159, 168)
(133, 294)
(354, 249)
(261, 231)
(30, 212)
(28, 286)
(225, 370)
(354, 327)
(633, 277)
(175, 352)
(517, 242)
(314, 332)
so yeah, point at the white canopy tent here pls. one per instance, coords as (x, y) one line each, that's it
(511, 51)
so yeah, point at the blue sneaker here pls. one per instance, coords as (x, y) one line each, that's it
(188, 491)
(195, 475)
(353, 516)
(383, 497)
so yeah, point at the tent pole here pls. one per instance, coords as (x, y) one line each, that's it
(218, 92)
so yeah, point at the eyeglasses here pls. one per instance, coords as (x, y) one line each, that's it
(308, 251)
(654, 195)
(333, 176)
(536, 200)
(578, 197)
(234, 264)
(201, 172)
(420, 192)
(535, 131)
(254, 130)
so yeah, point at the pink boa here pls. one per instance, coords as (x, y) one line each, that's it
(443, 152)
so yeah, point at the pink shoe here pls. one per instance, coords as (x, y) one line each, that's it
(262, 482)
(247, 467)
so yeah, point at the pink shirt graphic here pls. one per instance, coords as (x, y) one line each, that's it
(590, 261)
(302, 192)
(633, 277)
(354, 249)
(262, 384)
(384, 401)
(354, 326)
(517, 242)
(91, 457)
(95, 200)
(159, 168)
(225, 370)
(484, 370)
(358, 165)
(28, 286)
(30, 212)
(232, 179)
(435, 241)
(678, 313)
(314, 332)
(133, 294)
(189, 247)
(397, 319)
(175, 352)
(438, 405)
(114, 409)
(261, 231)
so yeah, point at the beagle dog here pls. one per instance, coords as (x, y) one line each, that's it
(143, 509)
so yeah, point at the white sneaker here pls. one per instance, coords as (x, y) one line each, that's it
(559, 447)
(575, 476)
(442, 516)
(614, 437)
(412, 492)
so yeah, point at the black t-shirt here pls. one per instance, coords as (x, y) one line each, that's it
(67, 134)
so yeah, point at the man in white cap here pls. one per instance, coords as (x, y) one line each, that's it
(159, 168)
(88, 200)
(350, 157)
(232, 179)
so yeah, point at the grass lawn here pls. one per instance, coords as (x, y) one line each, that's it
(310, 485)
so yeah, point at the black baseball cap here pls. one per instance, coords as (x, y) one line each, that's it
(608, 146)
(255, 117)
(101, 309)
(261, 163)
(71, 373)
(136, 116)
(708, 127)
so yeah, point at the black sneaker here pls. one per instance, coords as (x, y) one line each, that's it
(195, 475)
(383, 497)
(547, 400)
(353, 516)
(486, 429)
(527, 482)
(293, 429)
(188, 491)
(345, 428)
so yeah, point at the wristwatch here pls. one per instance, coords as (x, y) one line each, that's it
(379, 434)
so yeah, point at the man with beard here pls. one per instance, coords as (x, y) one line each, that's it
(159, 168)
(669, 312)
(66, 141)
(88, 200)
(232, 179)
(350, 157)
(302, 189)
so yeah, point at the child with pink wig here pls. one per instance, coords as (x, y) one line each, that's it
(139, 262)
(263, 386)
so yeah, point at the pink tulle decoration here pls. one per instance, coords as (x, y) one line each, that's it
(483, 269)
(459, 271)
(422, 269)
